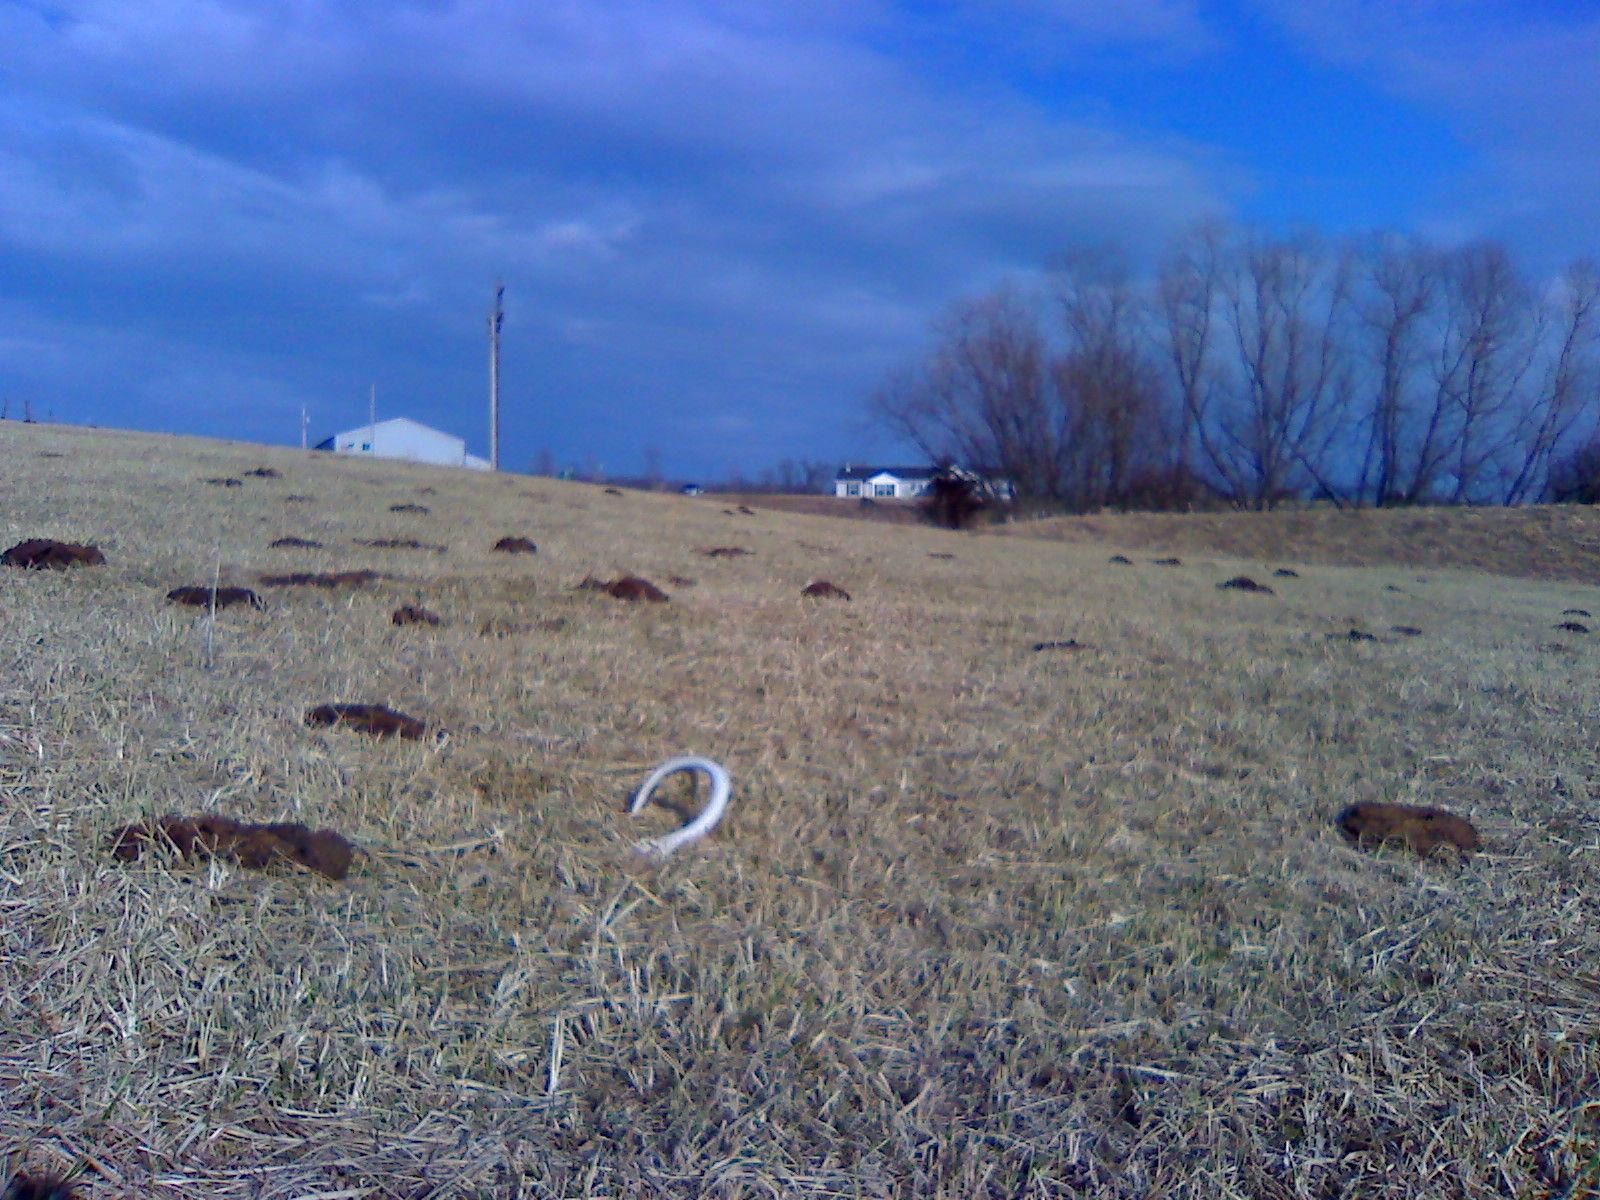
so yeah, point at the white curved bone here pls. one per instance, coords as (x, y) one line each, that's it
(721, 788)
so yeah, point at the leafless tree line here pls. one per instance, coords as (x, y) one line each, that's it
(1253, 369)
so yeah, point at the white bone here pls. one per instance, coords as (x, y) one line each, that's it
(721, 788)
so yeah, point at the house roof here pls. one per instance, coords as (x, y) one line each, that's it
(850, 474)
(394, 423)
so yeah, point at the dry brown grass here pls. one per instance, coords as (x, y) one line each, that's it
(1561, 543)
(981, 922)
(883, 512)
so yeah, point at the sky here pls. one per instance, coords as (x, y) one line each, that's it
(720, 223)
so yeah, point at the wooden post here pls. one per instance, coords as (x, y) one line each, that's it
(496, 319)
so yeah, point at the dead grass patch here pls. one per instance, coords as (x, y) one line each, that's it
(1560, 542)
(394, 543)
(322, 579)
(979, 922)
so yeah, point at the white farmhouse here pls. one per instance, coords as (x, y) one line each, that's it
(401, 437)
(882, 483)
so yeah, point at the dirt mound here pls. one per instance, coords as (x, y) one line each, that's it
(822, 589)
(38, 1186)
(225, 597)
(400, 544)
(255, 846)
(632, 587)
(1423, 830)
(43, 553)
(375, 719)
(1243, 583)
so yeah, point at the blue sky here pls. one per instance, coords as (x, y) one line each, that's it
(720, 222)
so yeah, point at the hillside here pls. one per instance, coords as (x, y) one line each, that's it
(889, 512)
(1530, 543)
(983, 920)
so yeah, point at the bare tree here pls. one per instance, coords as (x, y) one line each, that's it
(1404, 445)
(806, 476)
(1186, 290)
(1195, 338)
(1392, 374)
(983, 398)
(1283, 306)
(1069, 418)
(1487, 345)
(1106, 384)
(792, 476)
(1570, 385)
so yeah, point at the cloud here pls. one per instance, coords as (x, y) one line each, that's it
(1165, 26)
(742, 208)
(85, 371)
(1517, 84)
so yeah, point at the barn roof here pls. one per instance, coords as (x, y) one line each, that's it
(395, 422)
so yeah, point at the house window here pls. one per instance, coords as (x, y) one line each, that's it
(883, 489)
(366, 446)
(852, 489)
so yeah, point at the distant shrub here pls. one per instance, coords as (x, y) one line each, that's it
(1575, 479)
(1169, 489)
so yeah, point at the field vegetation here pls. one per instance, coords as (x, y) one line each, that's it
(983, 921)
(1554, 542)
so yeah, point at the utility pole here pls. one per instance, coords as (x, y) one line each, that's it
(305, 425)
(496, 319)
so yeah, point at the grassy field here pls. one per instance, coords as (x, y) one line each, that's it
(1557, 543)
(982, 921)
